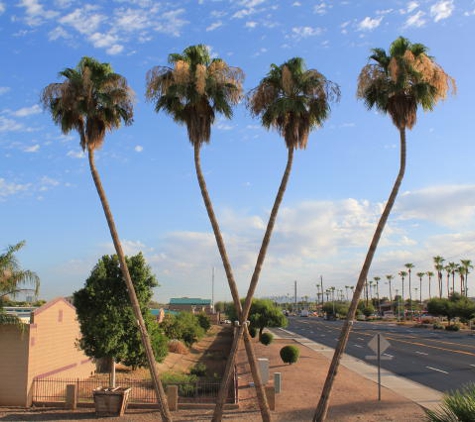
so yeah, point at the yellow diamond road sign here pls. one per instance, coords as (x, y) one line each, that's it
(383, 344)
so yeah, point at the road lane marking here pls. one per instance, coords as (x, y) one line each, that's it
(358, 345)
(388, 355)
(437, 370)
(422, 353)
(361, 338)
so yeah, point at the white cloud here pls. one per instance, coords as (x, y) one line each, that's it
(84, 20)
(171, 23)
(32, 148)
(132, 20)
(11, 188)
(27, 111)
(251, 24)
(442, 10)
(9, 125)
(35, 13)
(214, 26)
(411, 6)
(320, 9)
(75, 154)
(138, 148)
(416, 20)
(368, 24)
(4, 89)
(2, 8)
(449, 206)
(306, 31)
(57, 33)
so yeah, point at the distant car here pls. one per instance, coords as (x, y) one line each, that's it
(304, 313)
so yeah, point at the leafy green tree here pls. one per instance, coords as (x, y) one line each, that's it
(204, 321)
(455, 306)
(92, 100)
(107, 322)
(396, 84)
(263, 314)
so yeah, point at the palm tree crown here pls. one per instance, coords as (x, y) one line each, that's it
(195, 89)
(92, 100)
(12, 276)
(293, 100)
(403, 80)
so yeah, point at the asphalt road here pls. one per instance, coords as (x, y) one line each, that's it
(436, 358)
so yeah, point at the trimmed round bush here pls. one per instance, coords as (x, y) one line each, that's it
(453, 327)
(252, 332)
(289, 354)
(266, 338)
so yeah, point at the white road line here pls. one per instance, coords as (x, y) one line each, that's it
(473, 365)
(360, 338)
(388, 355)
(422, 353)
(358, 345)
(437, 370)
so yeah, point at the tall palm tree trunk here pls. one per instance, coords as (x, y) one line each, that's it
(322, 408)
(255, 279)
(223, 391)
(161, 397)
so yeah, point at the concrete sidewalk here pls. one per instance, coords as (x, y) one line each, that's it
(424, 396)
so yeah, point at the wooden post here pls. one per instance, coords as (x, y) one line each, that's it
(172, 396)
(71, 397)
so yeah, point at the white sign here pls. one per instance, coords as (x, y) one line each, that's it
(383, 344)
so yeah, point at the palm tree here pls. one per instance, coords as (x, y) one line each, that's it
(430, 274)
(395, 84)
(13, 278)
(467, 264)
(403, 275)
(294, 101)
(420, 275)
(461, 271)
(439, 267)
(409, 267)
(450, 268)
(390, 277)
(92, 100)
(192, 92)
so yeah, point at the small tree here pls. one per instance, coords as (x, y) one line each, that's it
(107, 322)
(289, 354)
(184, 326)
(263, 314)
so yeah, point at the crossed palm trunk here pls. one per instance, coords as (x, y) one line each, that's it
(243, 312)
(161, 397)
(322, 408)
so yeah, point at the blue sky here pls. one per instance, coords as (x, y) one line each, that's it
(338, 184)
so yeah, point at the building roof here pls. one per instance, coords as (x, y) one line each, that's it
(189, 301)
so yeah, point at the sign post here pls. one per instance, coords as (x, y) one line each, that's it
(378, 344)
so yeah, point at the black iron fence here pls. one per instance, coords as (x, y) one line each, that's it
(52, 390)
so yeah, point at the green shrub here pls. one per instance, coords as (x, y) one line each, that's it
(289, 354)
(252, 332)
(438, 326)
(199, 370)
(453, 327)
(266, 339)
(458, 405)
(204, 321)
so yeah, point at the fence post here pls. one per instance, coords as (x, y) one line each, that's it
(270, 393)
(71, 397)
(172, 397)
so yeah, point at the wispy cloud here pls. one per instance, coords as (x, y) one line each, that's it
(27, 111)
(35, 13)
(368, 24)
(442, 10)
(32, 148)
(2, 8)
(11, 188)
(9, 125)
(416, 20)
(4, 89)
(306, 31)
(214, 26)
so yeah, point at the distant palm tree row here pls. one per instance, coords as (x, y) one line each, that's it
(445, 275)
